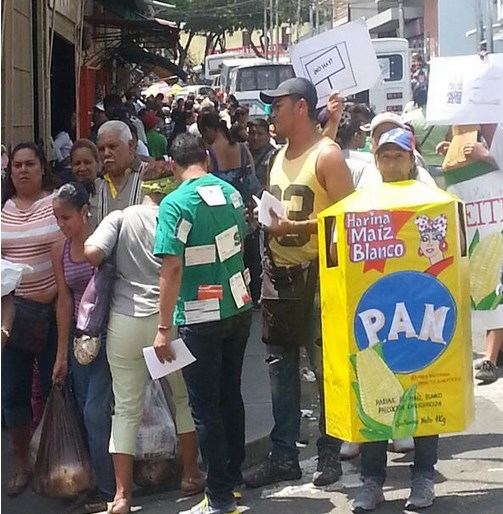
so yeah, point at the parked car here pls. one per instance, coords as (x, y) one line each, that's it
(196, 90)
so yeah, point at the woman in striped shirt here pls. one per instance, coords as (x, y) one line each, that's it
(29, 231)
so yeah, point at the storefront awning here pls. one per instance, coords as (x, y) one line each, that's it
(149, 61)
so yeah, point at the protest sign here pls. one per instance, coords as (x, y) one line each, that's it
(397, 357)
(465, 90)
(341, 59)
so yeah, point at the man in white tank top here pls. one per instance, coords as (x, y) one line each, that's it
(307, 175)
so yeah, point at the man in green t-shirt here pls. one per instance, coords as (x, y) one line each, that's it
(204, 291)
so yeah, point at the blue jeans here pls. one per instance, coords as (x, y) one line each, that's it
(285, 392)
(17, 377)
(214, 387)
(92, 389)
(374, 456)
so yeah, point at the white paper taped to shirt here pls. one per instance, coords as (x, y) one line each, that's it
(184, 227)
(228, 243)
(212, 195)
(196, 255)
(200, 311)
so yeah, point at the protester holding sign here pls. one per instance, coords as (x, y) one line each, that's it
(474, 172)
(307, 175)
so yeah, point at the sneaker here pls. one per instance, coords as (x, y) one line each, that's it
(422, 491)
(369, 496)
(205, 507)
(487, 373)
(272, 471)
(237, 493)
(350, 450)
(329, 468)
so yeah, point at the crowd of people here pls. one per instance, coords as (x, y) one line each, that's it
(194, 261)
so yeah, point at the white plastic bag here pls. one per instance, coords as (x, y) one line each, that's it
(157, 434)
(12, 274)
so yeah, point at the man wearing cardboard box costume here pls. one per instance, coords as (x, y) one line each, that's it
(394, 297)
(307, 176)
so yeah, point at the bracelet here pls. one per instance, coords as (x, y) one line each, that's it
(164, 327)
(5, 332)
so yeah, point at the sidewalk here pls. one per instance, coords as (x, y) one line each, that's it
(259, 421)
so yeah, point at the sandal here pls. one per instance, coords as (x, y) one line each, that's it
(192, 486)
(18, 482)
(120, 506)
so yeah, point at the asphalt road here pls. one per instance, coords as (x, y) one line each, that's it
(469, 478)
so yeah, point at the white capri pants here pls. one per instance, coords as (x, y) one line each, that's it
(126, 338)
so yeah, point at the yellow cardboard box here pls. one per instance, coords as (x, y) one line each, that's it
(397, 354)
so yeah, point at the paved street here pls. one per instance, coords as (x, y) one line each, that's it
(469, 476)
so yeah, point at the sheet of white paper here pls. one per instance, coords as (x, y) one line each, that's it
(158, 369)
(200, 311)
(195, 255)
(257, 200)
(236, 200)
(239, 290)
(342, 59)
(266, 203)
(465, 90)
(247, 276)
(183, 230)
(212, 195)
(228, 243)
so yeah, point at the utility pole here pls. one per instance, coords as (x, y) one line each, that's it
(401, 19)
(271, 30)
(298, 20)
(489, 26)
(266, 38)
(479, 23)
(277, 30)
(317, 15)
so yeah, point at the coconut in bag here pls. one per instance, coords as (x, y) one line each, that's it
(63, 468)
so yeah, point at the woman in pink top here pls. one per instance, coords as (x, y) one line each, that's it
(29, 230)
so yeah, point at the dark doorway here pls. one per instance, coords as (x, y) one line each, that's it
(62, 86)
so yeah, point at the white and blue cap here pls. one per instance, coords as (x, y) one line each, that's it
(399, 137)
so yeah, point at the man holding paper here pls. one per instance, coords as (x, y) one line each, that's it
(204, 292)
(308, 175)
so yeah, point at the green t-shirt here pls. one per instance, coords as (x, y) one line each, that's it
(427, 136)
(209, 239)
(157, 144)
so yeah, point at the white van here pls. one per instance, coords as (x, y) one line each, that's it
(230, 64)
(393, 92)
(213, 63)
(248, 80)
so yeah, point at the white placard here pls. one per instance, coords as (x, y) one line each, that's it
(183, 230)
(158, 369)
(236, 200)
(239, 290)
(201, 311)
(212, 195)
(228, 243)
(465, 90)
(267, 202)
(342, 59)
(196, 255)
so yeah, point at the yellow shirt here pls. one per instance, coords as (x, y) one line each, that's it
(294, 183)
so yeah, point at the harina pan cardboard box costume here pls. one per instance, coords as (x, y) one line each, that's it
(397, 355)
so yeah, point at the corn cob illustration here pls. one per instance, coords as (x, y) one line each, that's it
(485, 266)
(380, 390)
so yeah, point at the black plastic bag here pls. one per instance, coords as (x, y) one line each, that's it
(63, 468)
